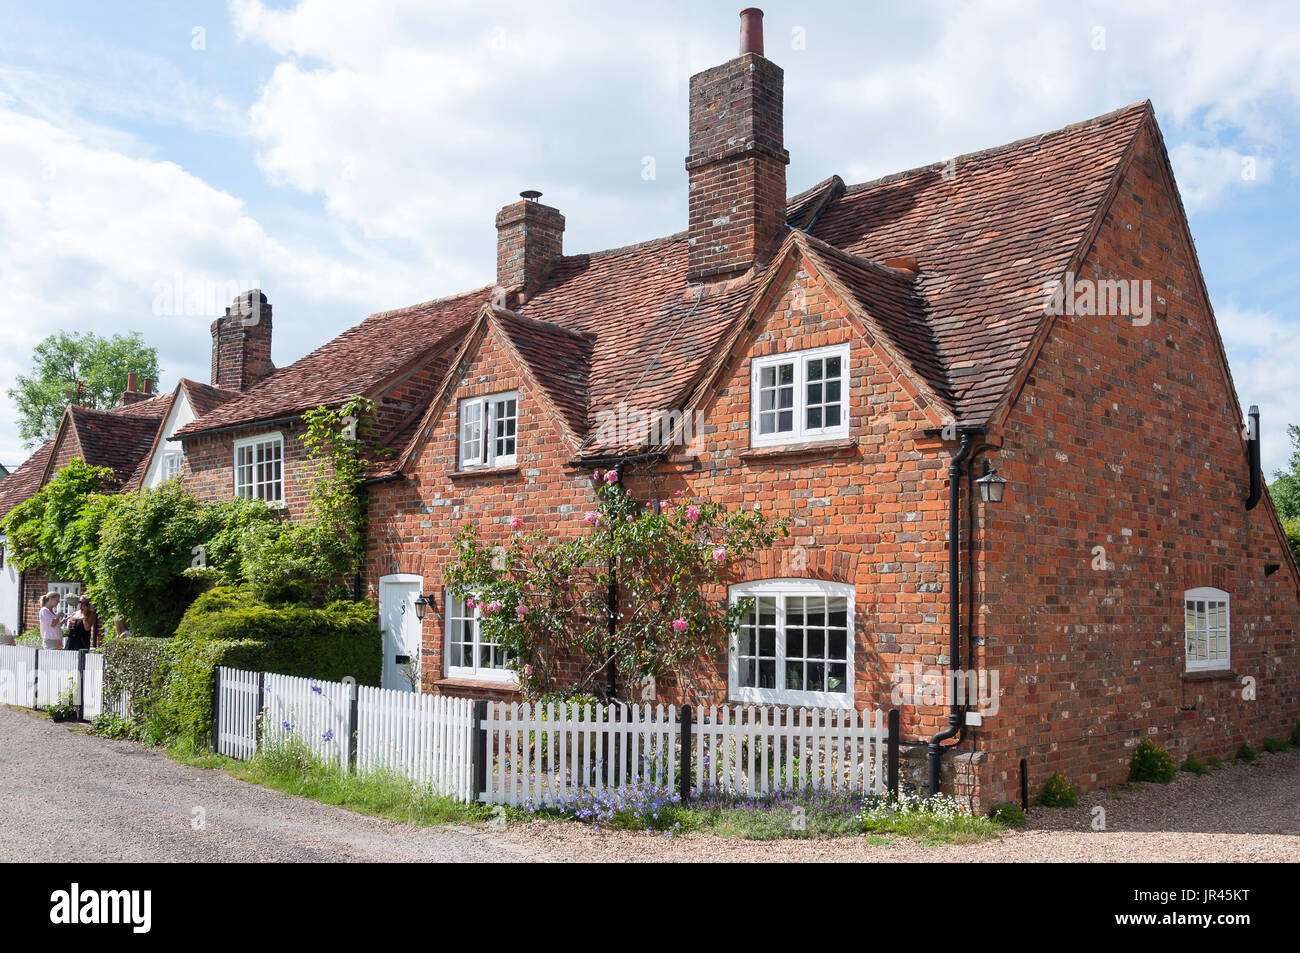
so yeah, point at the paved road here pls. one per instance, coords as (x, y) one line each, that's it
(66, 796)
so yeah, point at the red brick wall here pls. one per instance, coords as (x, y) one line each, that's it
(1126, 437)
(871, 514)
(210, 465)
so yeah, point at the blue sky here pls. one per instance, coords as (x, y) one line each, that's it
(349, 157)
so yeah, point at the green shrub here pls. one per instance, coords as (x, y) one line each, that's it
(170, 681)
(1151, 763)
(1193, 766)
(329, 642)
(1246, 753)
(1216, 764)
(1009, 815)
(1057, 792)
(1276, 745)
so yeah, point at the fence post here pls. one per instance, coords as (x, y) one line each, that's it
(36, 679)
(216, 711)
(1024, 784)
(257, 715)
(354, 725)
(684, 767)
(81, 684)
(892, 754)
(478, 756)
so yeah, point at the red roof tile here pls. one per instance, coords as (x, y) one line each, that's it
(987, 238)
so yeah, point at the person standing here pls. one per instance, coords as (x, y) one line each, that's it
(51, 621)
(84, 632)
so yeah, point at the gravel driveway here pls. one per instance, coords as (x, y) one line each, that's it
(67, 796)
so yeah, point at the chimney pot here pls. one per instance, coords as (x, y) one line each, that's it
(751, 31)
(131, 381)
(148, 385)
(530, 238)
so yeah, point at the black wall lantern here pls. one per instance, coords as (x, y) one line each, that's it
(992, 487)
(421, 604)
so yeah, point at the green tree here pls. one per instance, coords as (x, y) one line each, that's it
(61, 362)
(1285, 490)
(545, 600)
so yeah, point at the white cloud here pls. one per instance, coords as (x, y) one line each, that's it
(88, 234)
(1205, 174)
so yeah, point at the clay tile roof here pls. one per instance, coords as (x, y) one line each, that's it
(118, 439)
(560, 359)
(25, 480)
(987, 238)
(358, 361)
(204, 398)
(890, 297)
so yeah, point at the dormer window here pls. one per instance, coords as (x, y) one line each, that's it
(799, 397)
(488, 430)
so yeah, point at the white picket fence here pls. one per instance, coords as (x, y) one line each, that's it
(542, 756)
(425, 738)
(534, 755)
(39, 678)
(18, 675)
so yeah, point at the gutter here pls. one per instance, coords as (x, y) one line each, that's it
(1252, 452)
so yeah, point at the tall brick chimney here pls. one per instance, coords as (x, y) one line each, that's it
(530, 237)
(737, 160)
(241, 343)
(133, 394)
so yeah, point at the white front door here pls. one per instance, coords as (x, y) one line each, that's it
(397, 617)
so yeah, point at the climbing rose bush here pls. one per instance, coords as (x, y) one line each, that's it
(545, 599)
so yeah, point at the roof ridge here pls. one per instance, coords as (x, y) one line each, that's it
(485, 289)
(1142, 104)
(583, 336)
(821, 246)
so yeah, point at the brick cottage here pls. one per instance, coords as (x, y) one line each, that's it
(1029, 322)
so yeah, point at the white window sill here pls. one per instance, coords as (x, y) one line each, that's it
(763, 696)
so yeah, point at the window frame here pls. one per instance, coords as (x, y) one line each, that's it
(245, 442)
(1212, 663)
(781, 589)
(504, 676)
(488, 417)
(178, 457)
(801, 433)
(69, 596)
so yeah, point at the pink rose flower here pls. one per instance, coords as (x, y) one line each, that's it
(680, 625)
(679, 492)
(631, 518)
(592, 518)
(528, 671)
(521, 611)
(693, 513)
(493, 606)
(720, 554)
(516, 522)
(471, 602)
(611, 476)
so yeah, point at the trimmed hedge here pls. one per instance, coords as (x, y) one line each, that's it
(171, 681)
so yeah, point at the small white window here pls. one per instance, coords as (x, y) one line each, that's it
(795, 646)
(799, 397)
(259, 468)
(488, 430)
(69, 593)
(469, 654)
(171, 466)
(1205, 624)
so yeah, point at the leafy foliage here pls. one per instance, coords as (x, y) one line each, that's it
(61, 362)
(1247, 753)
(1057, 792)
(1151, 762)
(56, 528)
(1285, 489)
(545, 600)
(312, 559)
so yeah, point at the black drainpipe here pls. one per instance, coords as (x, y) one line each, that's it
(955, 718)
(1252, 447)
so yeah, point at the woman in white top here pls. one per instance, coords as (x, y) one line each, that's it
(51, 622)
